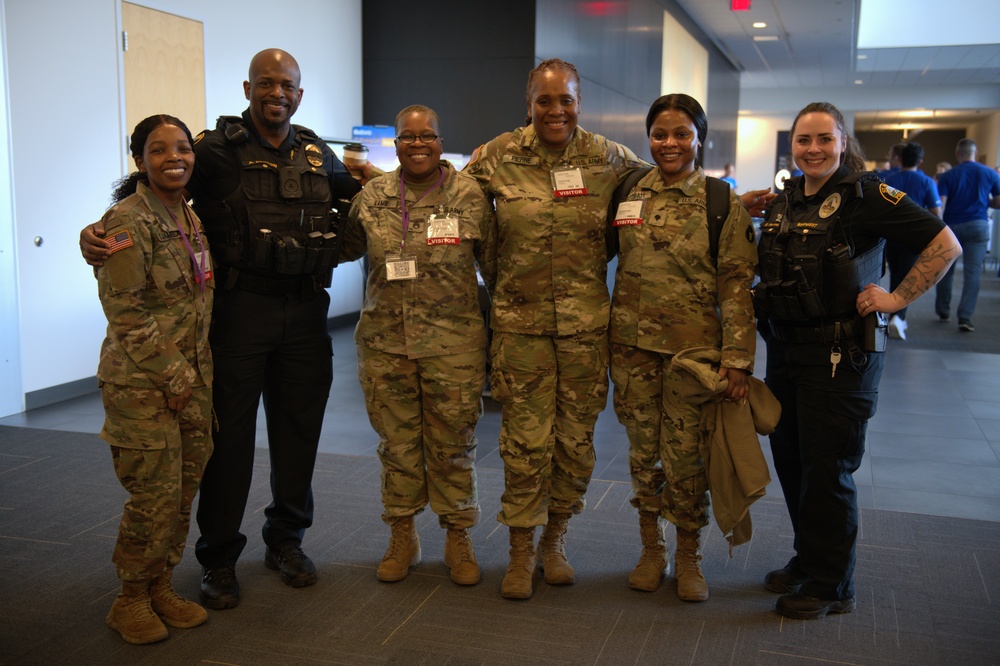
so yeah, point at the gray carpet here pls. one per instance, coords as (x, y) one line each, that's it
(928, 587)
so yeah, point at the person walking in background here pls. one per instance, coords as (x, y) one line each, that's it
(967, 190)
(940, 169)
(671, 294)
(729, 175)
(819, 309)
(155, 375)
(894, 160)
(551, 182)
(421, 340)
(922, 189)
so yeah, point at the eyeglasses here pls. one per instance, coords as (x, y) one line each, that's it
(426, 137)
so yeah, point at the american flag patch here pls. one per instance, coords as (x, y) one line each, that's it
(119, 241)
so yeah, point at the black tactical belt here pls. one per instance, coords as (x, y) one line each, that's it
(850, 329)
(265, 285)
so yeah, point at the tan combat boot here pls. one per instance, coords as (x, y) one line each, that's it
(173, 609)
(132, 616)
(403, 551)
(552, 551)
(691, 585)
(460, 557)
(517, 583)
(653, 563)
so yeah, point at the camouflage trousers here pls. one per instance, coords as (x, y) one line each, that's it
(664, 434)
(552, 389)
(159, 456)
(425, 413)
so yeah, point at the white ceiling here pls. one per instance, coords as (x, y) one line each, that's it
(816, 47)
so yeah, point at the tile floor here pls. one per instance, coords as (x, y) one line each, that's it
(933, 446)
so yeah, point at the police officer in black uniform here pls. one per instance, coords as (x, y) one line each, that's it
(821, 313)
(264, 189)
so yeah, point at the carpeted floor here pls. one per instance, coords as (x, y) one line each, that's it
(928, 587)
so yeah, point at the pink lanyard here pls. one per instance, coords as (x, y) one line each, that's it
(199, 271)
(402, 204)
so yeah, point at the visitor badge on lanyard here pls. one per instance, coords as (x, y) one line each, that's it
(629, 214)
(400, 268)
(203, 259)
(567, 181)
(442, 230)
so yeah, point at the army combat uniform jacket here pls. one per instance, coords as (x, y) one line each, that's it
(552, 262)
(670, 294)
(437, 312)
(158, 314)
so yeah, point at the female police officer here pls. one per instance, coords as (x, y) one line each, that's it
(820, 257)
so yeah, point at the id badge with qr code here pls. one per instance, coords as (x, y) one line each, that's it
(400, 268)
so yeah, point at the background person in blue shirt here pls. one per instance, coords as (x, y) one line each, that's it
(967, 190)
(923, 190)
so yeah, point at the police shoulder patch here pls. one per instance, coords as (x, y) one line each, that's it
(890, 194)
(200, 136)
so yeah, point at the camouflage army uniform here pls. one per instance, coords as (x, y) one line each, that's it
(550, 315)
(157, 344)
(669, 296)
(421, 342)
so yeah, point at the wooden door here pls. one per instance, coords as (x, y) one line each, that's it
(164, 66)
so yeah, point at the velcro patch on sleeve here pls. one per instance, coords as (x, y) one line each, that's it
(890, 194)
(119, 241)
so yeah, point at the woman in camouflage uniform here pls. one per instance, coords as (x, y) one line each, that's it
(155, 375)
(670, 295)
(551, 182)
(422, 340)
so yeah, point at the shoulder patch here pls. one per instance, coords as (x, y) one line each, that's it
(119, 241)
(200, 136)
(751, 234)
(890, 194)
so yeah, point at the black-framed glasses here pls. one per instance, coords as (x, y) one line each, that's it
(426, 137)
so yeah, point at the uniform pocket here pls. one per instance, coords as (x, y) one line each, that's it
(499, 387)
(134, 418)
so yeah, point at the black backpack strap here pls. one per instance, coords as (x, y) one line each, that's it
(717, 203)
(621, 194)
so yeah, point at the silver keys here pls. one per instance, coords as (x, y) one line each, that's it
(834, 360)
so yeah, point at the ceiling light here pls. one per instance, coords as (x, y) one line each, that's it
(765, 38)
(862, 56)
(858, 82)
(917, 113)
(759, 24)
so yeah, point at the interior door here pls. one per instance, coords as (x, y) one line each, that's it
(164, 66)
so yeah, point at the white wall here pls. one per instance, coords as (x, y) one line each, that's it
(10, 357)
(63, 99)
(986, 134)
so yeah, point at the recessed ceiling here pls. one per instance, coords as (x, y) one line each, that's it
(816, 48)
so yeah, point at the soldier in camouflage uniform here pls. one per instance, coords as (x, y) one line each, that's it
(670, 295)
(422, 340)
(155, 375)
(551, 183)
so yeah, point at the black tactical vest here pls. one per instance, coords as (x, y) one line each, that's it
(278, 221)
(809, 269)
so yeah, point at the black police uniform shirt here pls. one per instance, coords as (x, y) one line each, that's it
(884, 212)
(217, 173)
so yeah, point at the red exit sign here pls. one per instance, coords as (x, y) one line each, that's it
(739, 5)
